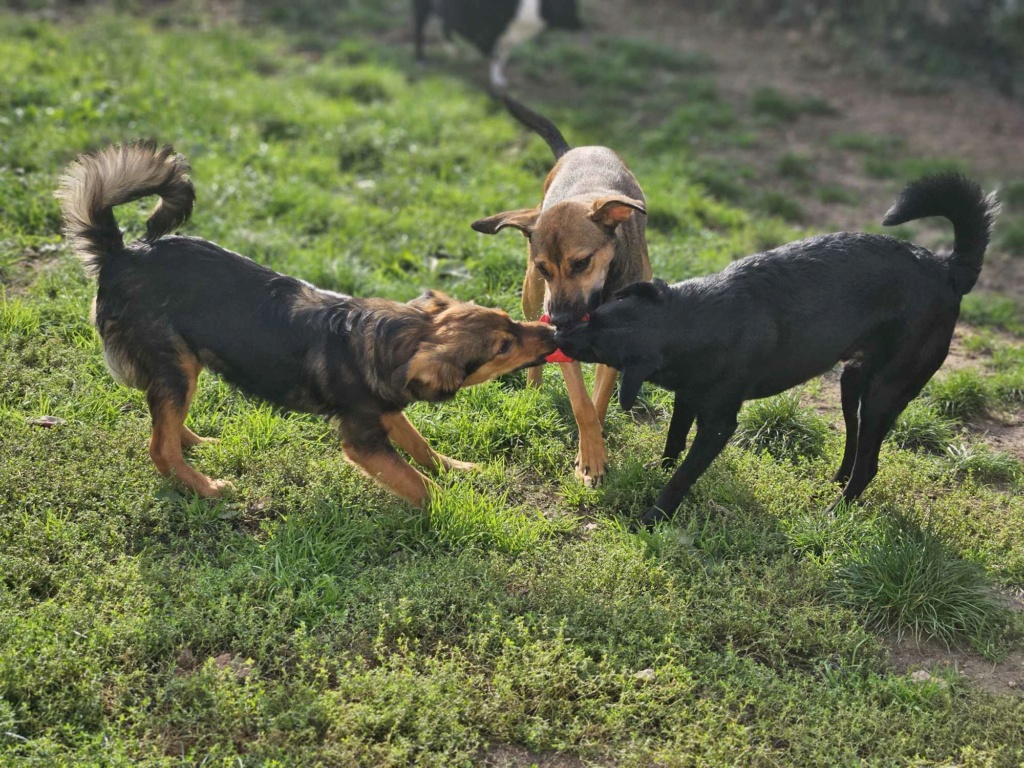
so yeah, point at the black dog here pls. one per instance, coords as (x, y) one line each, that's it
(494, 26)
(768, 322)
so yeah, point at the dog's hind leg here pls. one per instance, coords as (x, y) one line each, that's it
(421, 12)
(168, 396)
(604, 387)
(851, 385)
(713, 432)
(405, 436)
(885, 395)
(533, 308)
(188, 437)
(678, 430)
(366, 445)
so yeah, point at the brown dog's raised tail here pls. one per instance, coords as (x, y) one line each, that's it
(539, 125)
(96, 183)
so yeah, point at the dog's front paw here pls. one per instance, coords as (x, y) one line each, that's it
(590, 463)
(215, 489)
(462, 466)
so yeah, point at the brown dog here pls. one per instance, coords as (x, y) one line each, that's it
(586, 241)
(167, 307)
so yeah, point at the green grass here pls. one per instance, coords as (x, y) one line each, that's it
(908, 581)
(774, 106)
(960, 395)
(780, 426)
(314, 619)
(922, 427)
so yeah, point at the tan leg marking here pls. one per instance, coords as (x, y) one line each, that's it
(190, 438)
(168, 436)
(591, 459)
(604, 386)
(393, 472)
(533, 308)
(403, 434)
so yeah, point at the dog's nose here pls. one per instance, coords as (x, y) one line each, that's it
(565, 320)
(562, 319)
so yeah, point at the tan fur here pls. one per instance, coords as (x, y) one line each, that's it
(588, 218)
(393, 472)
(464, 333)
(170, 434)
(403, 434)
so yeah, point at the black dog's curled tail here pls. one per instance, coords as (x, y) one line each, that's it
(95, 183)
(539, 125)
(963, 202)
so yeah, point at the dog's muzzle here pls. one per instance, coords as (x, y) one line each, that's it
(558, 356)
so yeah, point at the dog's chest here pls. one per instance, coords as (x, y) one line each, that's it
(527, 24)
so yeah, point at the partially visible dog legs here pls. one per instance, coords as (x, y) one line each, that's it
(851, 384)
(885, 395)
(678, 430)
(169, 396)
(403, 434)
(190, 438)
(713, 432)
(591, 458)
(421, 12)
(533, 308)
(604, 387)
(366, 445)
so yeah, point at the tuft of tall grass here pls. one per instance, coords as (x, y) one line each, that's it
(983, 464)
(909, 581)
(959, 396)
(922, 428)
(781, 427)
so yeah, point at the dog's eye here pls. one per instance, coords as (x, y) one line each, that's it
(506, 347)
(544, 272)
(582, 264)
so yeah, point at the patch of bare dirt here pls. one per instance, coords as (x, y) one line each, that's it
(1004, 677)
(999, 430)
(959, 120)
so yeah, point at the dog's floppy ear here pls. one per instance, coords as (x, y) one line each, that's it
(432, 375)
(612, 211)
(523, 220)
(432, 302)
(633, 377)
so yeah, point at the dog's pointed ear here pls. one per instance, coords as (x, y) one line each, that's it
(432, 302)
(523, 220)
(612, 211)
(651, 291)
(431, 375)
(633, 377)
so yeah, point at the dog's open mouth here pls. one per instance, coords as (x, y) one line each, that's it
(558, 356)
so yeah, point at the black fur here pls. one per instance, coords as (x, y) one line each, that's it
(484, 22)
(539, 125)
(168, 306)
(885, 307)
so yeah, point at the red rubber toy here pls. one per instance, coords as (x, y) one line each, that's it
(558, 356)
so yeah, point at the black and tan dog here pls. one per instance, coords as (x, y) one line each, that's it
(169, 306)
(586, 241)
(885, 307)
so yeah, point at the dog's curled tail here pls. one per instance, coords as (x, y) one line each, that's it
(963, 202)
(95, 183)
(539, 125)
